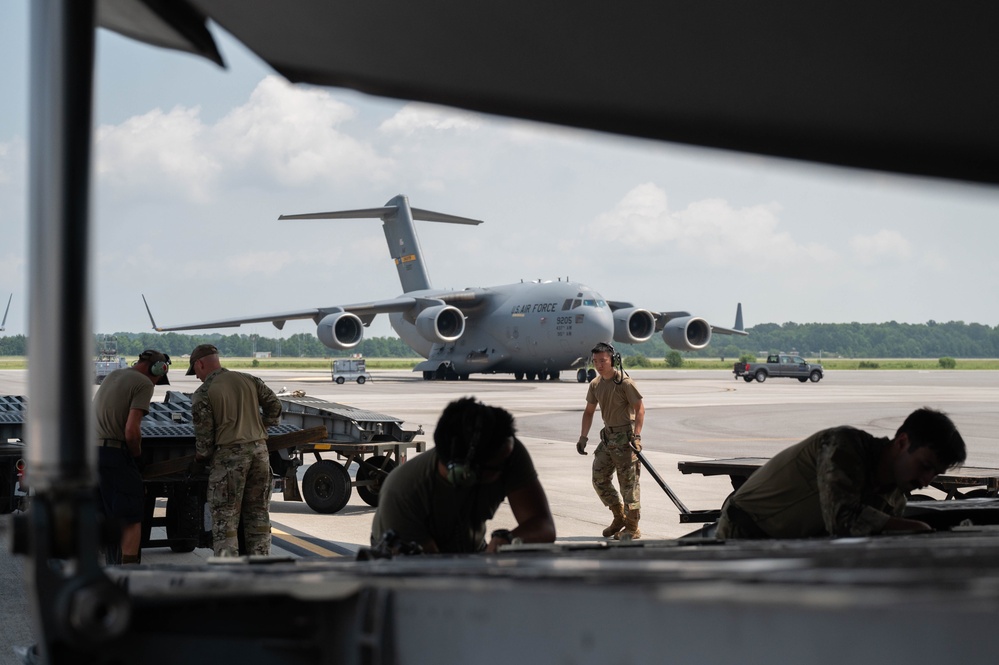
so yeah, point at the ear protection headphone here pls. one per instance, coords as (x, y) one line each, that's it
(158, 368)
(615, 358)
(465, 474)
(604, 347)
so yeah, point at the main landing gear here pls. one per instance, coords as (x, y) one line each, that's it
(540, 376)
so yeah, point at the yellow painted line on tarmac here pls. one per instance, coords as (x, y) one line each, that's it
(304, 544)
(741, 439)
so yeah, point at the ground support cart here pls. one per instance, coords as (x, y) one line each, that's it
(376, 443)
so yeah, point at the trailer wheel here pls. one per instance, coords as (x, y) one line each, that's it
(761, 375)
(339, 380)
(326, 486)
(384, 465)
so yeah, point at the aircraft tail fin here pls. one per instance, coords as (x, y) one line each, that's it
(400, 234)
(738, 317)
(150, 313)
(3, 324)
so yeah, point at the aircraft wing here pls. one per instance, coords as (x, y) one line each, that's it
(366, 311)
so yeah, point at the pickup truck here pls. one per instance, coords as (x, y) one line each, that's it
(781, 365)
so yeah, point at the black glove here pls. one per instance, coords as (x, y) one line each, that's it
(581, 445)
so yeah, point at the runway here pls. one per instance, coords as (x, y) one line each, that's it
(689, 415)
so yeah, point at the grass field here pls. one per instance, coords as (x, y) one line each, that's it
(19, 362)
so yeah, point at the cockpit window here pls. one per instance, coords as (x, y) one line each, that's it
(601, 303)
(567, 305)
(575, 303)
(589, 303)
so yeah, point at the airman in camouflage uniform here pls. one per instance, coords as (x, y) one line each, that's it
(843, 482)
(623, 413)
(231, 435)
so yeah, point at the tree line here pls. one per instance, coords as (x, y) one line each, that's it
(849, 340)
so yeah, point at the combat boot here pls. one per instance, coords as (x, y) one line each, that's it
(631, 531)
(618, 523)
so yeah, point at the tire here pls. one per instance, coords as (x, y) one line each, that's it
(553, 376)
(361, 380)
(326, 486)
(463, 376)
(815, 376)
(591, 374)
(518, 376)
(581, 376)
(339, 380)
(747, 378)
(369, 493)
(531, 376)
(802, 379)
(761, 375)
(428, 376)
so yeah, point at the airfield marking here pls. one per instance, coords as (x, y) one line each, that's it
(304, 543)
(741, 439)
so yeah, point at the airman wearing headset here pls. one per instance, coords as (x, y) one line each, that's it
(440, 500)
(623, 413)
(119, 406)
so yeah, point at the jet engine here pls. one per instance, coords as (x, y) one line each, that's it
(440, 324)
(340, 331)
(633, 325)
(687, 333)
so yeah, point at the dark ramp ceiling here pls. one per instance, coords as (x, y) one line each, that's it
(909, 86)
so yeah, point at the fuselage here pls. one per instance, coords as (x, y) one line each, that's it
(529, 327)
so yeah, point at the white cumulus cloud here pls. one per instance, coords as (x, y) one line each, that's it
(416, 117)
(710, 229)
(284, 134)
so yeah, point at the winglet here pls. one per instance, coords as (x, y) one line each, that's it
(3, 323)
(738, 317)
(150, 313)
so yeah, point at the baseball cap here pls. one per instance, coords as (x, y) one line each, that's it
(200, 352)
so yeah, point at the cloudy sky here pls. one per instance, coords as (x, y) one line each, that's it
(194, 164)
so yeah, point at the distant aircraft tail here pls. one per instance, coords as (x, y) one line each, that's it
(738, 317)
(3, 324)
(400, 234)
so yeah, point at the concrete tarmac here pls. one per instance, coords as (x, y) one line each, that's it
(689, 415)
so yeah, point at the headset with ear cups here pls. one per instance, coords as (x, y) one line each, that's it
(158, 368)
(604, 347)
(615, 358)
(465, 474)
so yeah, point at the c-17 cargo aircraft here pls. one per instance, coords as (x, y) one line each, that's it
(530, 329)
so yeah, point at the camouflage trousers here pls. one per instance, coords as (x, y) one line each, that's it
(615, 454)
(239, 485)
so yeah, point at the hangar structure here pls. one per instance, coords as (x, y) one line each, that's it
(875, 85)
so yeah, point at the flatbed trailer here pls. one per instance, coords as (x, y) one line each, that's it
(375, 442)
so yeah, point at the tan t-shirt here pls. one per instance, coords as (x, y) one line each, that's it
(120, 392)
(616, 401)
